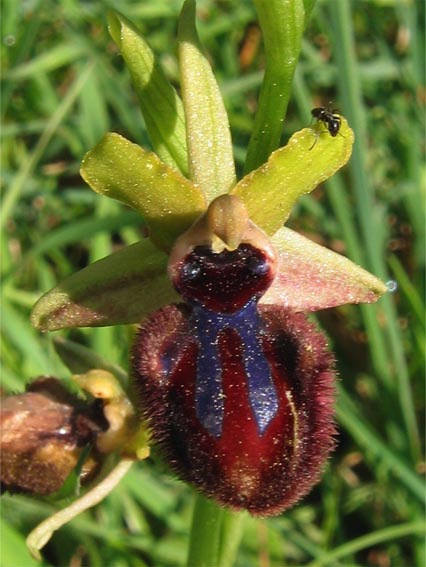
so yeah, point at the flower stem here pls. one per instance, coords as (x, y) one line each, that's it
(231, 533)
(43, 532)
(282, 23)
(205, 533)
(215, 534)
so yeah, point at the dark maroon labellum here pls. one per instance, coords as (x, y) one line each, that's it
(238, 397)
(225, 282)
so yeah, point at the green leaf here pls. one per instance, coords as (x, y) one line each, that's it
(373, 540)
(119, 289)
(13, 550)
(55, 57)
(211, 162)
(80, 359)
(124, 171)
(311, 277)
(160, 104)
(310, 157)
(25, 174)
(16, 331)
(309, 5)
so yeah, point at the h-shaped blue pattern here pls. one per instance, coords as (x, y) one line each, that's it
(209, 392)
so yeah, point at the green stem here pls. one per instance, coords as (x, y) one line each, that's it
(205, 533)
(215, 535)
(282, 23)
(232, 531)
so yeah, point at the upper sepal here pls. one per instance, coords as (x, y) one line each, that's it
(124, 171)
(311, 277)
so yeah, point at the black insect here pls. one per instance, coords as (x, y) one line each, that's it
(331, 120)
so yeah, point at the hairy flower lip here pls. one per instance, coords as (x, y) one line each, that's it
(296, 455)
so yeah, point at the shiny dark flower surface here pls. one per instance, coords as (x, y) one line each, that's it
(224, 282)
(239, 403)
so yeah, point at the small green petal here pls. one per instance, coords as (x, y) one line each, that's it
(211, 162)
(160, 104)
(310, 157)
(311, 277)
(124, 171)
(119, 289)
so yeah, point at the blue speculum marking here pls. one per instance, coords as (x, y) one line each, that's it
(209, 393)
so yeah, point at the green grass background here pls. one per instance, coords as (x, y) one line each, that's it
(64, 86)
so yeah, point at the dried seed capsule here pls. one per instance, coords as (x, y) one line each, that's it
(43, 433)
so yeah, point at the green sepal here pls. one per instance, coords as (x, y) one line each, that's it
(119, 289)
(211, 161)
(311, 277)
(124, 171)
(160, 104)
(310, 157)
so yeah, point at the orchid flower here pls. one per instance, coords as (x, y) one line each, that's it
(234, 383)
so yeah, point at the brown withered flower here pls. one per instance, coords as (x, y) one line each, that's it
(42, 436)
